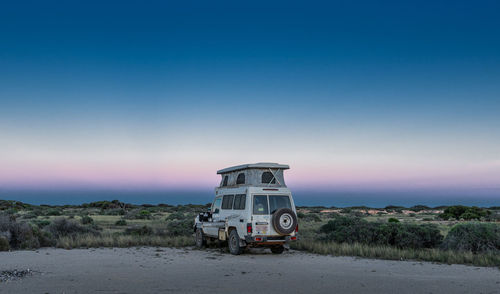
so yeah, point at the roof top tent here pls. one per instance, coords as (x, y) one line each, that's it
(262, 174)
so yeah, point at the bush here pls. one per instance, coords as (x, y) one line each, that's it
(393, 220)
(19, 235)
(138, 214)
(121, 222)
(113, 211)
(53, 212)
(180, 228)
(309, 217)
(418, 208)
(65, 227)
(313, 217)
(345, 229)
(474, 237)
(139, 231)
(86, 220)
(40, 223)
(175, 216)
(45, 238)
(464, 212)
(4, 244)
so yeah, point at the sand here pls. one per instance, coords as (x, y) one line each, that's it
(167, 270)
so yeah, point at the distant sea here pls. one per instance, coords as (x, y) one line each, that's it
(301, 197)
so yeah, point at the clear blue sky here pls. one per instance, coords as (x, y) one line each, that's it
(356, 95)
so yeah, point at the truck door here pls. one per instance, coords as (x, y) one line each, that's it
(261, 217)
(211, 228)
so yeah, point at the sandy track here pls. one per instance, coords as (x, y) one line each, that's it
(166, 270)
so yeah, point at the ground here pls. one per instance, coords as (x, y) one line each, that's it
(168, 270)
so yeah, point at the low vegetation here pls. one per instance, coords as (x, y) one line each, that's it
(348, 229)
(455, 234)
(398, 233)
(96, 224)
(474, 237)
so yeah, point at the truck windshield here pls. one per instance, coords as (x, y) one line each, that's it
(260, 203)
(279, 201)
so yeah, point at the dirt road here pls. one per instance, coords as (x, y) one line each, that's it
(166, 270)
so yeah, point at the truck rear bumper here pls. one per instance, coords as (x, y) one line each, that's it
(269, 239)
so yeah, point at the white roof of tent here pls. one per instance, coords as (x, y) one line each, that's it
(253, 165)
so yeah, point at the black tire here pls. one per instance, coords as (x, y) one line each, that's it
(200, 239)
(234, 243)
(284, 221)
(278, 249)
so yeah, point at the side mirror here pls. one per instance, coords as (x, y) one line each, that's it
(216, 210)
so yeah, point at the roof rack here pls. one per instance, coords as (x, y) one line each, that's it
(260, 165)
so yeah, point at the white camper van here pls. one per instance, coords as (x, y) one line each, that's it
(252, 208)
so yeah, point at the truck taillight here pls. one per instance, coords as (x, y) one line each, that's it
(249, 228)
(297, 228)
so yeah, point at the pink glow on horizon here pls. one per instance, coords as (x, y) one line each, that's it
(193, 175)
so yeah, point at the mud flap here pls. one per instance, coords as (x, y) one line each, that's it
(222, 235)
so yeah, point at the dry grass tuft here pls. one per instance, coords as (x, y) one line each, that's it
(118, 240)
(392, 253)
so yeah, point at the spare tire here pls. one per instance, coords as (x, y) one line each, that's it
(284, 221)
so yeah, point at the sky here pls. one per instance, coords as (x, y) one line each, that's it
(357, 96)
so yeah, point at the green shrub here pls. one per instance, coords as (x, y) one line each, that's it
(65, 227)
(19, 235)
(139, 231)
(393, 220)
(53, 212)
(180, 228)
(121, 222)
(175, 216)
(4, 244)
(464, 212)
(418, 208)
(45, 238)
(312, 217)
(309, 217)
(138, 214)
(86, 220)
(113, 211)
(475, 237)
(41, 223)
(345, 229)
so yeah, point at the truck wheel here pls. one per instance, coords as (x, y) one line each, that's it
(199, 239)
(234, 243)
(284, 221)
(278, 249)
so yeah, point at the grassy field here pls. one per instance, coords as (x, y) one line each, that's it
(116, 224)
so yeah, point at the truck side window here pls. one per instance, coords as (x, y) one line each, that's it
(227, 202)
(224, 183)
(216, 205)
(241, 179)
(268, 178)
(239, 201)
(260, 204)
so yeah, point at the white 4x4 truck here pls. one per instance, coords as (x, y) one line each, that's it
(252, 208)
